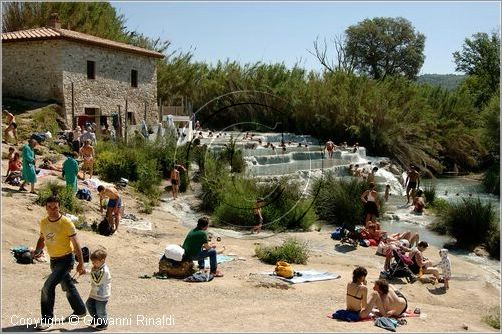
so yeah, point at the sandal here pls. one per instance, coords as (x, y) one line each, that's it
(402, 321)
(217, 274)
(417, 311)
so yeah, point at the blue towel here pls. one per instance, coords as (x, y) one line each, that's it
(386, 323)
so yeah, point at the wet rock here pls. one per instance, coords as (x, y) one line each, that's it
(481, 251)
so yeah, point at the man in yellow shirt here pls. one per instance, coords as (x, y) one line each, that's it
(58, 233)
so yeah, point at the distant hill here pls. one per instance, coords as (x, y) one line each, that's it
(448, 81)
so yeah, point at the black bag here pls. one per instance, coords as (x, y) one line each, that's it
(85, 254)
(104, 228)
(22, 255)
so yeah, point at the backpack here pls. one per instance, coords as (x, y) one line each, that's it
(85, 254)
(84, 194)
(22, 255)
(337, 234)
(284, 269)
(104, 228)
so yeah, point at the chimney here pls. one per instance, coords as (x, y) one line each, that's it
(54, 21)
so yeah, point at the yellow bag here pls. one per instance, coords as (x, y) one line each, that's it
(284, 269)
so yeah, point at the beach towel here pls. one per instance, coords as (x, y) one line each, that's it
(220, 259)
(310, 276)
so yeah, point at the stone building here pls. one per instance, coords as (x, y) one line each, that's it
(90, 77)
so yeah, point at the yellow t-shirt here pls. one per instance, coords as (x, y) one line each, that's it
(57, 235)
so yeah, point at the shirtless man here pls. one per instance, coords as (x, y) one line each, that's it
(388, 301)
(113, 207)
(330, 146)
(412, 182)
(87, 154)
(11, 126)
(175, 180)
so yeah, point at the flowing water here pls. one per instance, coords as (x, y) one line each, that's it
(304, 158)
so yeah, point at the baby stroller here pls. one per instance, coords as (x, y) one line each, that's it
(399, 268)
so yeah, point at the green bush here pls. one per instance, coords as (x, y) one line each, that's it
(430, 194)
(45, 120)
(284, 208)
(292, 251)
(233, 156)
(440, 209)
(338, 201)
(143, 163)
(493, 240)
(491, 179)
(69, 202)
(213, 181)
(469, 222)
(493, 319)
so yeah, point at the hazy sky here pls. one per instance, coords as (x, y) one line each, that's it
(283, 31)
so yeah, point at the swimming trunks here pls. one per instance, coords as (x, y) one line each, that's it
(412, 185)
(112, 203)
(399, 294)
(14, 125)
(174, 182)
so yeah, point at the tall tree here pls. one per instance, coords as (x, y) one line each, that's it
(386, 46)
(480, 59)
(95, 18)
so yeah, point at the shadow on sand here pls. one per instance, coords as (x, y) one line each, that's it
(344, 248)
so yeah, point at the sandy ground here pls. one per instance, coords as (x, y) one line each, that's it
(242, 301)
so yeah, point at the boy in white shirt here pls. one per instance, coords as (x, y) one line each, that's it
(100, 289)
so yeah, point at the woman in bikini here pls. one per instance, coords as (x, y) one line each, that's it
(357, 293)
(371, 203)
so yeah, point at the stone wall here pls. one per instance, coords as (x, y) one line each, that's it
(112, 84)
(32, 70)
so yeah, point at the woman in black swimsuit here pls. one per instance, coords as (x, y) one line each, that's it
(357, 292)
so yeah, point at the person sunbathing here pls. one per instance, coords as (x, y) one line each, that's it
(357, 291)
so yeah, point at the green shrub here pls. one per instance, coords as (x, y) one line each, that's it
(493, 240)
(213, 181)
(148, 178)
(493, 319)
(292, 251)
(284, 208)
(233, 156)
(430, 194)
(45, 120)
(491, 179)
(69, 202)
(338, 201)
(440, 209)
(469, 222)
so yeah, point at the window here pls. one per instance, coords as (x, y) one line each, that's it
(134, 78)
(130, 118)
(91, 69)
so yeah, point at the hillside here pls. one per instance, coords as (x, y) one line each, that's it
(448, 81)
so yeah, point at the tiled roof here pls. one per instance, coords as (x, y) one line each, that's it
(53, 33)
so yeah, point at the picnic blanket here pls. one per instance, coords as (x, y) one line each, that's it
(310, 276)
